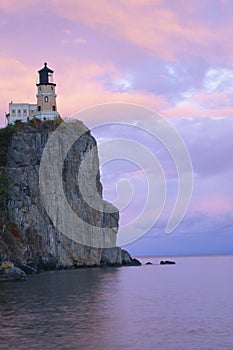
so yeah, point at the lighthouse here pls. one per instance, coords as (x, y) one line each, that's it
(46, 97)
(44, 109)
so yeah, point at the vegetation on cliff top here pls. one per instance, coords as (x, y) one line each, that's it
(7, 133)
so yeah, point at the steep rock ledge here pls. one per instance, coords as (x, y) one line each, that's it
(27, 235)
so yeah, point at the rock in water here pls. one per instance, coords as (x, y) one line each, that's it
(29, 236)
(167, 262)
(127, 260)
(8, 272)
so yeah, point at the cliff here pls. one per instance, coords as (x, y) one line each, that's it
(28, 236)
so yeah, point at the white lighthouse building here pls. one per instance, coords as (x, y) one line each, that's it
(44, 109)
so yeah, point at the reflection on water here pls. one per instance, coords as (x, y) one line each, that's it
(65, 310)
(185, 306)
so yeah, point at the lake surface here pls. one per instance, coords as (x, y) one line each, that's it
(169, 307)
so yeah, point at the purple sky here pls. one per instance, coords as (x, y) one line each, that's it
(175, 57)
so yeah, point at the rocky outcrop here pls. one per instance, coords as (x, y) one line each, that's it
(8, 272)
(117, 257)
(167, 262)
(28, 236)
(127, 260)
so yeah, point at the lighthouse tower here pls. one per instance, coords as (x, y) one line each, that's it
(46, 96)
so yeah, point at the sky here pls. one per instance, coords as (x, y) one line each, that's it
(172, 57)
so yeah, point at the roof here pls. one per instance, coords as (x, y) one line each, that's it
(45, 74)
(45, 69)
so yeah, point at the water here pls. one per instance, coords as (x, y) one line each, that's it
(173, 307)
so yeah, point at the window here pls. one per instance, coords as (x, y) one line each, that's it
(19, 111)
(39, 108)
(13, 111)
(54, 108)
(46, 99)
(52, 88)
(25, 111)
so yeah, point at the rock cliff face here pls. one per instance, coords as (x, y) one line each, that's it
(28, 236)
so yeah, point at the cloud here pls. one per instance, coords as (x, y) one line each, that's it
(193, 111)
(199, 233)
(218, 79)
(79, 85)
(174, 57)
(202, 103)
(15, 6)
(17, 83)
(89, 83)
(117, 51)
(71, 38)
(74, 41)
(199, 223)
(209, 142)
(154, 26)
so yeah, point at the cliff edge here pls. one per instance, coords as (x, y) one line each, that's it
(28, 237)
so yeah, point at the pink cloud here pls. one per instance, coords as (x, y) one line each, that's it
(191, 111)
(163, 31)
(17, 84)
(214, 204)
(74, 41)
(82, 87)
(203, 104)
(85, 87)
(15, 5)
(202, 98)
